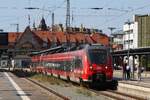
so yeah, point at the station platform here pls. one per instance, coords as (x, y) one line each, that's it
(140, 88)
(143, 84)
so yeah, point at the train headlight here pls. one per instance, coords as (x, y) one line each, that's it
(91, 67)
(106, 67)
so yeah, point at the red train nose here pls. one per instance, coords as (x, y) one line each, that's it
(94, 66)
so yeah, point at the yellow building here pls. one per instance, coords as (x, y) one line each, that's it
(143, 30)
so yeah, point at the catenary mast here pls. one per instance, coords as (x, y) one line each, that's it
(68, 16)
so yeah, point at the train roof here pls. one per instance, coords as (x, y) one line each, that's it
(96, 46)
(51, 50)
(64, 48)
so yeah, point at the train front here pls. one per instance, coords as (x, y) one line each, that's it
(99, 64)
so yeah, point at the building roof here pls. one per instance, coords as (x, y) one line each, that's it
(100, 38)
(43, 35)
(12, 36)
(61, 37)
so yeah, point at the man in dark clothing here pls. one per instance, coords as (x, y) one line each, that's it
(124, 71)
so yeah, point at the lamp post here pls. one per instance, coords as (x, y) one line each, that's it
(128, 53)
(111, 37)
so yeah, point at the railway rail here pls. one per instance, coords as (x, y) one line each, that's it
(114, 94)
(48, 89)
(117, 95)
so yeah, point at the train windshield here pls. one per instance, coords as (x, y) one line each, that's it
(97, 56)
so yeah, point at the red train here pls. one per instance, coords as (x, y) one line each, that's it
(88, 64)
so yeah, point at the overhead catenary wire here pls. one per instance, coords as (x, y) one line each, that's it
(60, 5)
(124, 14)
(55, 8)
(43, 9)
(89, 15)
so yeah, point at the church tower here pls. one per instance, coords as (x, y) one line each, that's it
(43, 26)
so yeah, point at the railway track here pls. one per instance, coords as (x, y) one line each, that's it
(117, 95)
(113, 94)
(48, 89)
(108, 93)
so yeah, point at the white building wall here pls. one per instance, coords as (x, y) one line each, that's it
(118, 40)
(130, 33)
(126, 27)
(135, 35)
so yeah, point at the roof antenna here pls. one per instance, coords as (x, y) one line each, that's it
(29, 20)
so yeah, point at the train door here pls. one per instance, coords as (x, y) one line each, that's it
(68, 67)
(78, 68)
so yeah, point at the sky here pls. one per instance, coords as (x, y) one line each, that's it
(113, 13)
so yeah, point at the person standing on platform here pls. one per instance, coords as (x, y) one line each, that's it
(138, 71)
(13, 64)
(132, 72)
(128, 71)
(124, 71)
(138, 68)
(131, 67)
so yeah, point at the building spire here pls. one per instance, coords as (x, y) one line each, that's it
(43, 25)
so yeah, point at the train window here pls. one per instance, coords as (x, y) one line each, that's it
(64, 65)
(67, 65)
(61, 65)
(34, 64)
(98, 56)
(78, 63)
(72, 64)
